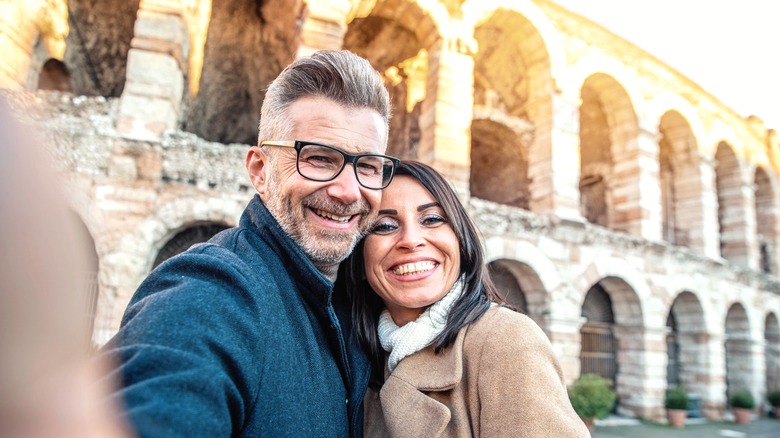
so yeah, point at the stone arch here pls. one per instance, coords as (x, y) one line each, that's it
(393, 37)
(247, 45)
(732, 214)
(526, 253)
(477, 11)
(499, 164)
(772, 351)
(177, 215)
(520, 287)
(614, 326)
(98, 44)
(608, 135)
(767, 221)
(687, 345)
(519, 97)
(30, 34)
(187, 236)
(681, 181)
(738, 348)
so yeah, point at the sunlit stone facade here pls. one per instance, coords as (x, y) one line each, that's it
(625, 209)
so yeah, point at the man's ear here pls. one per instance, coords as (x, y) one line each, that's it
(256, 167)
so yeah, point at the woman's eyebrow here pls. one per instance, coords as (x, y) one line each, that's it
(389, 211)
(428, 205)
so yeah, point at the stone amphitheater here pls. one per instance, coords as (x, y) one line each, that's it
(628, 211)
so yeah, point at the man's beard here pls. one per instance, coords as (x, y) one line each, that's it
(323, 247)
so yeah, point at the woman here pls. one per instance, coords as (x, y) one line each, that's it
(447, 361)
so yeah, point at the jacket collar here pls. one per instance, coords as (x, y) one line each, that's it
(428, 371)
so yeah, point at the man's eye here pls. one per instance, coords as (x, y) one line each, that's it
(368, 169)
(319, 160)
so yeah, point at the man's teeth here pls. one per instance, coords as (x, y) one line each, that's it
(332, 216)
(414, 268)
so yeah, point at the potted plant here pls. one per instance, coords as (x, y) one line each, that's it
(676, 403)
(774, 400)
(591, 397)
(742, 404)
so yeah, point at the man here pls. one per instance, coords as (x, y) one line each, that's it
(243, 335)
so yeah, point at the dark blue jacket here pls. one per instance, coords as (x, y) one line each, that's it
(241, 336)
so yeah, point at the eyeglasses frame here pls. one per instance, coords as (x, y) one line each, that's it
(348, 158)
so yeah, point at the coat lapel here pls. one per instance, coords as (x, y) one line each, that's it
(408, 409)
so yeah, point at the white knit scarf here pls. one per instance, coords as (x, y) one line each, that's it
(418, 334)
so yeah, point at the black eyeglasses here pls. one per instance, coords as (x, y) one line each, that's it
(319, 162)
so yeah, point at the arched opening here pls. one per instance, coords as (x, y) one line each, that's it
(511, 109)
(507, 286)
(766, 222)
(97, 45)
(686, 349)
(184, 239)
(54, 76)
(731, 209)
(680, 181)
(739, 357)
(247, 45)
(599, 347)
(499, 164)
(394, 48)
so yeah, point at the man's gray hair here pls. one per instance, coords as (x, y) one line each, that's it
(338, 75)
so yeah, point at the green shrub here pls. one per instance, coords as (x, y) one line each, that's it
(774, 398)
(742, 398)
(676, 398)
(591, 396)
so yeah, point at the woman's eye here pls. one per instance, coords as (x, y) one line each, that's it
(383, 228)
(433, 220)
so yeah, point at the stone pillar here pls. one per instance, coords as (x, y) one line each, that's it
(564, 334)
(713, 384)
(641, 379)
(324, 26)
(555, 168)
(741, 239)
(637, 192)
(445, 120)
(151, 100)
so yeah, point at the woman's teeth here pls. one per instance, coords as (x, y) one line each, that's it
(414, 268)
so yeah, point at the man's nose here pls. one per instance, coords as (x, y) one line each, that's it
(345, 186)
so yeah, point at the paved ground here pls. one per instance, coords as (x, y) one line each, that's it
(694, 428)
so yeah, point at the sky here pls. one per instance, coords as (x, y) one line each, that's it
(731, 48)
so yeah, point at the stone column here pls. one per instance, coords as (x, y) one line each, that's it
(151, 100)
(641, 379)
(637, 193)
(713, 384)
(445, 120)
(324, 26)
(564, 334)
(556, 170)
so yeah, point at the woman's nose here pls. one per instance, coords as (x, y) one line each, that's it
(411, 238)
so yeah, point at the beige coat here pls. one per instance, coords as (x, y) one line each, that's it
(499, 378)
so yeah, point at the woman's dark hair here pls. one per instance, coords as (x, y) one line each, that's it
(478, 290)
